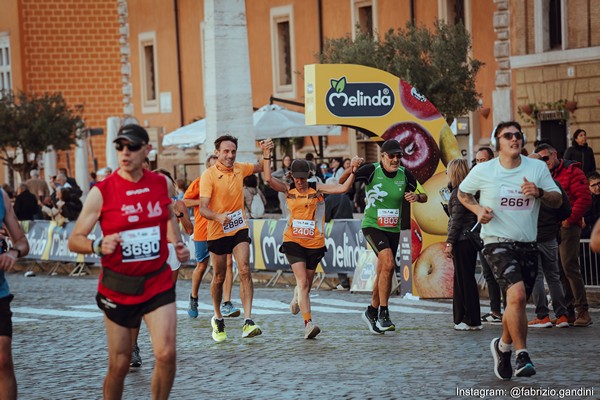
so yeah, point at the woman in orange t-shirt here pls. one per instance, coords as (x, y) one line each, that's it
(303, 239)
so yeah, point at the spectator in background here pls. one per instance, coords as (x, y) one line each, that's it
(92, 179)
(325, 171)
(581, 152)
(495, 294)
(549, 221)
(250, 190)
(282, 174)
(77, 192)
(337, 168)
(26, 204)
(38, 187)
(465, 302)
(574, 182)
(181, 186)
(102, 173)
(592, 215)
(339, 206)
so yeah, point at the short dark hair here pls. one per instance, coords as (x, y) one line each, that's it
(544, 146)
(251, 181)
(309, 156)
(225, 138)
(488, 150)
(507, 124)
(210, 158)
(593, 175)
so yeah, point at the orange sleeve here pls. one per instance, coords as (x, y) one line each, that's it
(206, 184)
(247, 169)
(193, 191)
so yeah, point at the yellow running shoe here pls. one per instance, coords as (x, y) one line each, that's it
(250, 329)
(218, 329)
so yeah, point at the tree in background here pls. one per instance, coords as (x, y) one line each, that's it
(30, 123)
(436, 63)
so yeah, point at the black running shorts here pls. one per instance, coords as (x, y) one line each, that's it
(226, 244)
(130, 316)
(6, 316)
(381, 240)
(296, 253)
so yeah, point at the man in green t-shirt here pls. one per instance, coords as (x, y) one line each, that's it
(388, 186)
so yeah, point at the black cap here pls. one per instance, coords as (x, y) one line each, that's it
(300, 169)
(133, 133)
(391, 147)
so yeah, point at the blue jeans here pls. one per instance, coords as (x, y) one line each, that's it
(548, 268)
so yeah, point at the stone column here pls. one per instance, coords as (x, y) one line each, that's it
(502, 95)
(227, 86)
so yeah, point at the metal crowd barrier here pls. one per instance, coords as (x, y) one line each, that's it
(590, 264)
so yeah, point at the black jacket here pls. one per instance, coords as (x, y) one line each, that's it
(549, 219)
(591, 216)
(582, 154)
(461, 219)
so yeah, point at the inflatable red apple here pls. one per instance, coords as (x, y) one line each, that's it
(434, 273)
(417, 104)
(417, 239)
(421, 152)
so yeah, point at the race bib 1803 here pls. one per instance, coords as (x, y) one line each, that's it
(237, 222)
(514, 199)
(303, 228)
(140, 244)
(388, 218)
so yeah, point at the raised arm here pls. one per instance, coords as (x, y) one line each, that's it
(275, 183)
(347, 181)
(354, 164)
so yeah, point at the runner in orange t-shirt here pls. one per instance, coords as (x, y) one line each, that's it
(191, 199)
(222, 203)
(303, 238)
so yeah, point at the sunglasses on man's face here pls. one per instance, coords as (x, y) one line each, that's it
(131, 146)
(510, 135)
(545, 158)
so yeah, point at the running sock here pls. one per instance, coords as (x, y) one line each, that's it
(521, 351)
(503, 347)
(249, 321)
(372, 310)
(226, 303)
(306, 317)
(193, 298)
(383, 308)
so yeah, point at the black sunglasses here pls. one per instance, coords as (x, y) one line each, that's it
(395, 155)
(510, 135)
(131, 146)
(545, 158)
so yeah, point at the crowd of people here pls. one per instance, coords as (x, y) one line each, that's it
(530, 212)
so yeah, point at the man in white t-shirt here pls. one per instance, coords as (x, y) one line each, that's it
(511, 187)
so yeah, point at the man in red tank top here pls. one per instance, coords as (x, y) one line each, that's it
(136, 216)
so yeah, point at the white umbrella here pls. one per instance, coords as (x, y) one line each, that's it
(269, 121)
(190, 135)
(276, 122)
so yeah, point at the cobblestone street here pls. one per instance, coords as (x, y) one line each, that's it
(59, 349)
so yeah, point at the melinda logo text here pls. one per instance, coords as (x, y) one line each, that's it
(364, 99)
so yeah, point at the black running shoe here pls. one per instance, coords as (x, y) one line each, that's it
(136, 359)
(502, 367)
(524, 365)
(384, 323)
(371, 321)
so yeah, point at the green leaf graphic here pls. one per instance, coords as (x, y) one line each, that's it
(272, 225)
(333, 83)
(340, 85)
(328, 228)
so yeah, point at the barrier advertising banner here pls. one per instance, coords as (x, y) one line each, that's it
(387, 107)
(343, 238)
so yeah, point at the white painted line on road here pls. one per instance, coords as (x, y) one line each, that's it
(17, 319)
(56, 313)
(362, 306)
